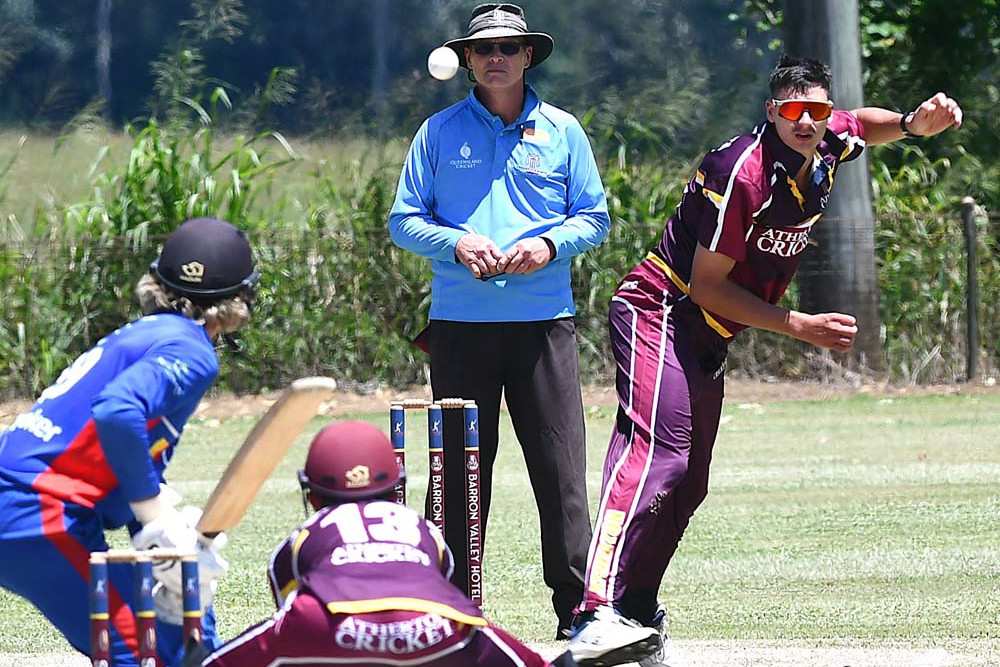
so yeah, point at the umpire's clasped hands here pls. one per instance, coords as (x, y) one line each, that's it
(485, 260)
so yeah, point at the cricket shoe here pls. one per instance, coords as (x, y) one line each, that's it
(607, 638)
(667, 654)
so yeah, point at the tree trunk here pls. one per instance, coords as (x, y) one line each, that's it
(380, 54)
(838, 272)
(104, 55)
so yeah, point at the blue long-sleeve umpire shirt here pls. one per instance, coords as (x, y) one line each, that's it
(467, 171)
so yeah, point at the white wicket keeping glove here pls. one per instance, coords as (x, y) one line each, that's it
(168, 530)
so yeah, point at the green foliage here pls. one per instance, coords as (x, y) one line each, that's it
(68, 278)
(61, 296)
(216, 19)
(6, 167)
(338, 298)
(922, 266)
(172, 177)
(640, 198)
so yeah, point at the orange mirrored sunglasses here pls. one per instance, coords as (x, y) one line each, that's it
(793, 109)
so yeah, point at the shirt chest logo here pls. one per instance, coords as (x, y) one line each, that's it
(783, 243)
(465, 160)
(533, 165)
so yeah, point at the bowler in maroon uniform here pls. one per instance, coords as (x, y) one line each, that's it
(365, 581)
(725, 259)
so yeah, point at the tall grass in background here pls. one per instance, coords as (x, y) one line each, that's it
(921, 255)
(68, 272)
(338, 298)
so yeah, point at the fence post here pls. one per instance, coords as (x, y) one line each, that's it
(971, 291)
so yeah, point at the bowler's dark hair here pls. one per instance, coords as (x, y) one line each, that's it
(798, 75)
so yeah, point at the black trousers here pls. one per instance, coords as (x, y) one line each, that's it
(534, 366)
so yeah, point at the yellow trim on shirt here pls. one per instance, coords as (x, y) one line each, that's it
(794, 187)
(715, 197)
(299, 539)
(158, 447)
(289, 588)
(682, 286)
(404, 604)
(293, 583)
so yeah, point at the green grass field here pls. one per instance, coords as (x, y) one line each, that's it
(861, 521)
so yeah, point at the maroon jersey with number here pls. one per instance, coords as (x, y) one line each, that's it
(744, 203)
(371, 556)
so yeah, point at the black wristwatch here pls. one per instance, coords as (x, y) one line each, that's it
(902, 125)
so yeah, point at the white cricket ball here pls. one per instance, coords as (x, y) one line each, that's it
(442, 63)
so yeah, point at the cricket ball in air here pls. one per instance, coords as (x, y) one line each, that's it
(442, 63)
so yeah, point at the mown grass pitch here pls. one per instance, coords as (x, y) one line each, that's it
(860, 521)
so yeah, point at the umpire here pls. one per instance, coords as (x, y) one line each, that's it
(500, 191)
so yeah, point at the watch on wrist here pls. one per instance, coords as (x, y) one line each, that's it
(552, 247)
(902, 125)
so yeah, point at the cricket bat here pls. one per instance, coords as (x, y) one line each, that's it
(261, 451)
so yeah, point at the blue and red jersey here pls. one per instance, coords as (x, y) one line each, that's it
(743, 202)
(103, 433)
(371, 556)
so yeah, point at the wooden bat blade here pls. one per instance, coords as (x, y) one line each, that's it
(261, 451)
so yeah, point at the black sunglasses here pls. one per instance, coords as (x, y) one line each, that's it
(506, 48)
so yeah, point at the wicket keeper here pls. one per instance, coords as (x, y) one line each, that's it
(364, 581)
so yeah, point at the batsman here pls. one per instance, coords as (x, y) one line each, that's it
(91, 453)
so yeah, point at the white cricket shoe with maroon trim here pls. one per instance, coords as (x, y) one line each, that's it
(607, 638)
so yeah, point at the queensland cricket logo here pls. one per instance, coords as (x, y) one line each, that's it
(466, 161)
(192, 272)
(437, 465)
(358, 477)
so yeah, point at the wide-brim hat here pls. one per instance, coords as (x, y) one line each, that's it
(494, 20)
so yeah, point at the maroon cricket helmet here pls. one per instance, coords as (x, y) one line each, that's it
(348, 461)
